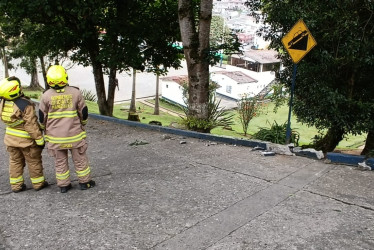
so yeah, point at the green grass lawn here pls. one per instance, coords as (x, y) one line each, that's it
(265, 119)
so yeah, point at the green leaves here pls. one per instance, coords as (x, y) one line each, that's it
(334, 80)
(248, 107)
(217, 116)
(277, 134)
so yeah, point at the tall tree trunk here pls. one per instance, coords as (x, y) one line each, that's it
(369, 145)
(133, 92)
(133, 116)
(113, 82)
(44, 72)
(157, 105)
(5, 62)
(99, 84)
(332, 138)
(196, 49)
(34, 84)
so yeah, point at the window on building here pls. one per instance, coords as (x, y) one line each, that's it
(228, 89)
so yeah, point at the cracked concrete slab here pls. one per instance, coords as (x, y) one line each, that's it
(167, 195)
(305, 221)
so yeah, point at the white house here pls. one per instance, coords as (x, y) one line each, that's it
(172, 88)
(234, 84)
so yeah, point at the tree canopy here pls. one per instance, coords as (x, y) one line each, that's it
(111, 36)
(334, 88)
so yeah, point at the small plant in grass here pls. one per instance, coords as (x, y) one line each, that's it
(88, 95)
(277, 134)
(248, 107)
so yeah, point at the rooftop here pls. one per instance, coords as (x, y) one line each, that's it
(260, 56)
(237, 76)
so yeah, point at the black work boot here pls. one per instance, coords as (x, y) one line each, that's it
(45, 184)
(87, 185)
(65, 189)
(23, 188)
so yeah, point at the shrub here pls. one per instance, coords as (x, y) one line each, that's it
(88, 95)
(248, 107)
(277, 134)
(216, 116)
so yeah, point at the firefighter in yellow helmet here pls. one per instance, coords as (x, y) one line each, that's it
(63, 115)
(23, 137)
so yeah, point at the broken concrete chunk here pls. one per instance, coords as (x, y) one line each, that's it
(257, 148)
(311, 153)
(136, 143)
(166, 137)
(268, 153)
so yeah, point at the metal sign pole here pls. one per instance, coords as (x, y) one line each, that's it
(288, 132)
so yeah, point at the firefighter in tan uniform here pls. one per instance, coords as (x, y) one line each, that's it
(23, 137)
(63, 114)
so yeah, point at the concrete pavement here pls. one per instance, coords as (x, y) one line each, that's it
(162, 193)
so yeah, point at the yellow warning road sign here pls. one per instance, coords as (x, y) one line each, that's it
(298, 41)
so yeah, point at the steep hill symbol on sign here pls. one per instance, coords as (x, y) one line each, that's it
(300, 41)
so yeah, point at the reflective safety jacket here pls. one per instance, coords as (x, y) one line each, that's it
(22, 123)
(63, 114)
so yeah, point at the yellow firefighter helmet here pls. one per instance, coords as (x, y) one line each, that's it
(10, 88)
(57, 77)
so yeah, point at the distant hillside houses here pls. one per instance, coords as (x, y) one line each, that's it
(256, 60)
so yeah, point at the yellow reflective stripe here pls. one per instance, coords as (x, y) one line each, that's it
(40, 141)
(16, 132)
(37, 180)
(63, 176)
(41, 126)
(85, 172)
(15, 123)
(84, 122)
(16, 180)
(63, 114)
(8, 109)
(8, 104)
(66, 139)
(5, 118)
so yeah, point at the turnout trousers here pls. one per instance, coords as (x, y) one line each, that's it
(80, 161)
(18, 157)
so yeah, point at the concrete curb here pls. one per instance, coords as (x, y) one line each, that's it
(210, 137)
(349, 159)
(337, 158)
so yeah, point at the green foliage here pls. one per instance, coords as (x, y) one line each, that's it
(110, 36)
(334, 86)
(88, 95)
(219, 32)
(277, 134)
(248, 107)
(217, 116)
(279, 96)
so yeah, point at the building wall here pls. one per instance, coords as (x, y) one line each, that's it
(172, 91)
(230, 88)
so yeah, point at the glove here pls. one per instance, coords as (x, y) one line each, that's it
(41, 146)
